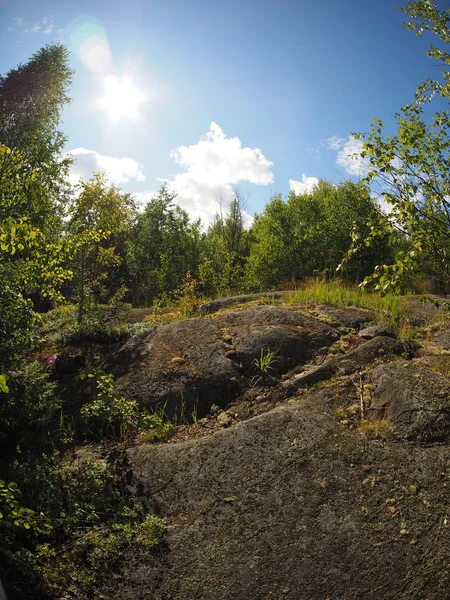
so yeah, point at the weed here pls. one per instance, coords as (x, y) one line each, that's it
(95, 519)
(376, 429)
(158, 424)
(194, 413)
(263, 365)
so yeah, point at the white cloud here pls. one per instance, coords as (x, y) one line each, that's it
(212, 167)
(45, 25)
(305, 186)
(335, 142)
(349, 157)
(118, 170)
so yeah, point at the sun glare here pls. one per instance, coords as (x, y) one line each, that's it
(122, 98)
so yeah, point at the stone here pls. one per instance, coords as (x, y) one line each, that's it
(368, 333)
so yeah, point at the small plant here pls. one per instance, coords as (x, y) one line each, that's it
(119, 415)
(263, 365)
(442, 365)
(11, 511)
(158, 423)
(194, 413)
(376, 429)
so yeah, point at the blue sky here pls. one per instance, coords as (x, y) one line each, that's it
(251, 94)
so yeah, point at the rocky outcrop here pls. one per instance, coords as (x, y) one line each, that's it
(291, 505)
(310, 499)
(345, 364)
(205, 361)
(413, 399)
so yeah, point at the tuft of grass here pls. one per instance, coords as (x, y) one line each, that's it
(376, 429)
(263, 365)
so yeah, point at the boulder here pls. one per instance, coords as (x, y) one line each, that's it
(214, 305)
(290, 505)
(348, 316)
(442, 338)
(413, 399)
(346, 364)
(369, 333)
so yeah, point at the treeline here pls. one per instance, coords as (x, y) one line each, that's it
(144, 256)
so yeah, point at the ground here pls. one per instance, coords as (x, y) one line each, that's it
(324, 478)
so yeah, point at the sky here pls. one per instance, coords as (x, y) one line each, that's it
(214, 96)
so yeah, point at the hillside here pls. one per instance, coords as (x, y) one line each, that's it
(279, 489)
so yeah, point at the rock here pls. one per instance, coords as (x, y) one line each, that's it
(216, 356)
(145, 368)
(442, 338)
(215, 305)
(67, 363)
(346, 364)
(290, 500)
(369, 333)
(413, 399)
(348, 316)
(291, 334)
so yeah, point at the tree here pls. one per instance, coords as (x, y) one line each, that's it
(101, 220)
(225, 251)
(310, 233)
(410, 170)
(164, 247)
(32, 97)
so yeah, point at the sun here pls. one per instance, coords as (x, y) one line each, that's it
(122, 98)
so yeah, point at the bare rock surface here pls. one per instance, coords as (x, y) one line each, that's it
(346, 364)
(205, 361)
(442, 338)
(291, 505)
(414, 399)
(348, 316)
(285, 491)
(216, 305)
(369, 333)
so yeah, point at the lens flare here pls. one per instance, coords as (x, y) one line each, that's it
(87, 38)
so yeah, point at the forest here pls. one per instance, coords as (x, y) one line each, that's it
(75, 259)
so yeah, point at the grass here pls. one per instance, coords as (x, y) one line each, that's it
(390, 309)
(376, 429)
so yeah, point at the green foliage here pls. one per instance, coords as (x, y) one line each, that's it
(101, 219)
(225, 250)
(119, 416)
(309, 235)
(32, 97)
(95, 519)
(30, 414)
(11, 511)
(390, 309)
(410, 169)
(263, 365)
(163, 249)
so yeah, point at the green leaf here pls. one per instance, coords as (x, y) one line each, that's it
(3, 387)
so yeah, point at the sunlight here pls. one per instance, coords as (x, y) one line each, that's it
(122, 98)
